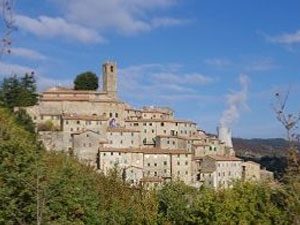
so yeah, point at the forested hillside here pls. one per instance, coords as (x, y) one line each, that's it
(270, 153)
(38, 187)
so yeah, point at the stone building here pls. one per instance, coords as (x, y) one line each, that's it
(220, 171)
(148, 146)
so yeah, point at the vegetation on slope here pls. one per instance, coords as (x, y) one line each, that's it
(39, 187)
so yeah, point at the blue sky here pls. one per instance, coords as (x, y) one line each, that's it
(186, 54)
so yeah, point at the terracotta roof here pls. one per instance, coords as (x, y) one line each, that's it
(151, 179)
(161, 120)
(84, 117)
(121, 129)
(71, 98)
(61, 90)
(251, 162)
(200, 145)
(224, 158)
(197, 157)
(145, 150)
(171, 136)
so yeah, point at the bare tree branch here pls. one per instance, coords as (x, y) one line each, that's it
(7, 16)
(288, 120)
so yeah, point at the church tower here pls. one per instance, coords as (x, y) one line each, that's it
(109, 70)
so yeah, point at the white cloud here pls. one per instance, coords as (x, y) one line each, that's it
(263, 64)
(7, 69)
(161, 82)
(27, 53)
(189, 78)
(218, 62)
(87, 21)
(57, 27)
(167, 21)
(287, 38)
(43, 82)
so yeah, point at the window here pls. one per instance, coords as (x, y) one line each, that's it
(145, 131)
(119, 153)
(150, 124)
(178, 163)
(132, 134)
(165, 171)
(104, 154)
(168, 142)
(121, 133)
(132, 142)
(71, 129)
(165, 131)
(42, 117)
(186, 172)
(111, 68)
(148, 164)
(67, 122)
(186, 163)
(110, 115)
(117, 115)
(144, 124)
(121, 142)
(173, 142)
(178, 172)
(78, 122)
(152, 131)
(162, 124)
(136, 124)
(155, 173)
(165, 163)
(111, 153)
(176, 124)
(155, 164)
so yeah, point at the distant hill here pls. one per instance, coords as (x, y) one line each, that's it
(270, 153)
(257, 148)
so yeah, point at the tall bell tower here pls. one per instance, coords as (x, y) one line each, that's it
(109, 70)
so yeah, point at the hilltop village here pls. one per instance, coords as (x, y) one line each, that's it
(149, 146)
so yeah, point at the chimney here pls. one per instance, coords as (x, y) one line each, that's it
(224, 135)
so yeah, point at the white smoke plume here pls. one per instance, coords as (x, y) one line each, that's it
(235, 101)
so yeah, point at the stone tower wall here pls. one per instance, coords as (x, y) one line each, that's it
(110, 79)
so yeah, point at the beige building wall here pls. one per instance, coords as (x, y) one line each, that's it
(250, 171)
(86, 145)
(123, 138)
(221, 171)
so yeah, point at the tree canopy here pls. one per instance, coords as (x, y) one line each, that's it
(18, 91)
(86, 81)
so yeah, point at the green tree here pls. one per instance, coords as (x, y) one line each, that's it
(86, 81)
(20, 92)
(28, 95)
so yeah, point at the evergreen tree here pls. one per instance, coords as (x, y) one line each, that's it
(28, 95)
(20, 92)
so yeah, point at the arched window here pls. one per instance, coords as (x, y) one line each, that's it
(111, 69)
